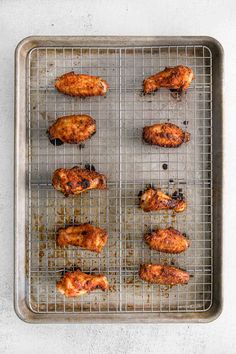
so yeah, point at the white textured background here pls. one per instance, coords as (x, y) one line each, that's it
(19, 19)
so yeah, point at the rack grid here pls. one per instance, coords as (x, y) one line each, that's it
(117, 150)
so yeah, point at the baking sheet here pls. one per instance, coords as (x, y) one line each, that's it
(117, 150)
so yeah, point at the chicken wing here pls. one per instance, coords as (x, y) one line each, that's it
(81, 85)
(163, 274)
(72, 129)
(85, 236)
(154, 200)
(165, 135)
(77, 180)
(173, 78)
(78, 283)
(167, 240)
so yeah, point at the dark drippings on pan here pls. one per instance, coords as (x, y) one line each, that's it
(177, 195)
(140, 193)
(142, 94)
(176, 90)
(70, 269)
(185, 122)
(81, 146)
(165, 166)
(177, 94)
(89, 166)
(171, 180)
(56, 142)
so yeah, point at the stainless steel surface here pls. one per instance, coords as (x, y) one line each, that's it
(117, 150)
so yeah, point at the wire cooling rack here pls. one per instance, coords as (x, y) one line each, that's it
(117, 151)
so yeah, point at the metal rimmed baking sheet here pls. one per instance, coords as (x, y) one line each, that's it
(118, 151)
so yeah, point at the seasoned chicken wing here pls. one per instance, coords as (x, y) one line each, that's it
(165, 135)
(78, 283)
(154, 200)
(77, 180)
(87, 236)
(173, 78)
(163, 274)
(167, 240)
(72, 129)
(81, 85)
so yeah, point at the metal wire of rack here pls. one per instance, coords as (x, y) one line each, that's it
(117, 150)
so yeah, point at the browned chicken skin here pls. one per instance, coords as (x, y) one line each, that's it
(78, 283)
(163, 274)
(165, 135)
(72, 129)
(155, 200)
(173, 78)
(81, 85)
(167, 240)
(77, 180)
(86, 236)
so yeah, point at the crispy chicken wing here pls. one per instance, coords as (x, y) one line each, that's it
(154, 199)
(167, 240)
(72, 129)
(77, 180)
(173, 78)
(165, 135)
(86, 236)
(163, 274)
(78, 283)
(81, 85)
